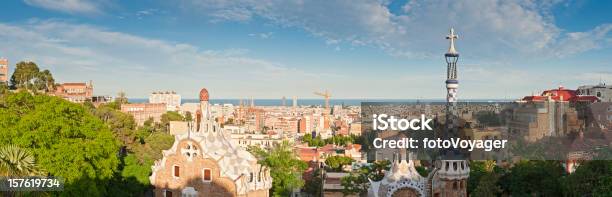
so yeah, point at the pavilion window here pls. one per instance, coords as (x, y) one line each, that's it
(207, 175)
(177, 172)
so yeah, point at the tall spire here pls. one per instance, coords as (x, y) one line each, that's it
(452, 36)
(452, 157)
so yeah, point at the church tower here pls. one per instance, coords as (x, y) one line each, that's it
(453, 170)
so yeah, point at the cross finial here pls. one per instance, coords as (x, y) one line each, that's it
(452, 36)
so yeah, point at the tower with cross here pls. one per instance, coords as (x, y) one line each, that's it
(452, 170)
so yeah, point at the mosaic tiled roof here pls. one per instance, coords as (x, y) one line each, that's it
(233, 160)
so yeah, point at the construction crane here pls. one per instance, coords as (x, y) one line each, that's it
(325, 95)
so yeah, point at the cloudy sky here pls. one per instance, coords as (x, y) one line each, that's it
(275, 48)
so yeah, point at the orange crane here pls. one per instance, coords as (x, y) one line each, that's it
(325, 95)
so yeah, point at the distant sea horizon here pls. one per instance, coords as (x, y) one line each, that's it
(315, 102)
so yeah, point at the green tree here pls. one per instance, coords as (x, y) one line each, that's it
(4, 89)
(422, 171)
(487, 187)
(358, 182)
(123, 125)
(152, 148)
(189, 117)
(478, 169)
(340, 140)
(336, 162)
(171, 116)
(489, 118)
(133, 179)
(65, 138)
(354, 183)
(285, 167)
(534, 178)
(44, 81)
(313, 186)
(591, 178)
(316, 141)
(28, 76)
(24, 75)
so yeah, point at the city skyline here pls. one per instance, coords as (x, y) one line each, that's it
(267, 50)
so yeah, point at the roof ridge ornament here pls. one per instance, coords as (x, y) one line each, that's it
(452, 36)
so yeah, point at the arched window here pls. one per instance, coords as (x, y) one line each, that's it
(455, 185)
(207, 175)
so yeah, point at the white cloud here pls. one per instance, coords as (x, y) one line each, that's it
(578, 42)
(147, 12)
(119, 61)
(262, 35)
(70, 6)
(488, 28)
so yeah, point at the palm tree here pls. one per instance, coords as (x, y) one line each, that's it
(15, 161)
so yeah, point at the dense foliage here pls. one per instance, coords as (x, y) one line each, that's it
(541, 178)
(593, 178)
(336, 162)
(285, 167)
(489, 118)
(98, 151)
(66, 140)
(337, 140)
(313, 186)
(483, 178)
(16, 161)
(28, 76)
(358, 182)
(141, 146)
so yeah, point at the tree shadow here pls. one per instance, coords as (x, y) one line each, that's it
(117, 185)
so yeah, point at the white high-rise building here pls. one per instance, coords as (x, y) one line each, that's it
(170, 98)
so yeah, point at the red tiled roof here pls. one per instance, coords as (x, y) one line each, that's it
(353, 146)
(561, 94)
(73, 84)
(327, 148)
(308, 154)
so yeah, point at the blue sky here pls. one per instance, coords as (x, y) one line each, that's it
(275, 48)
